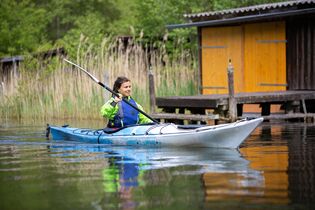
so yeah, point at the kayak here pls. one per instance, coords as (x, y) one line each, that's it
(229, 135)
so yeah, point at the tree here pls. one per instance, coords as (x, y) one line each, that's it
(33, 25)
(153, 15)
(68, 15)
(28, 25)
(21, 27)
(71, 20)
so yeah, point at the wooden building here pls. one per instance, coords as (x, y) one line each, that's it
(271, 46)
(10, 65)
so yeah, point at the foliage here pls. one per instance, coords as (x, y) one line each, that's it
(154, 15)
(124, 25)
(38, 25)
(73, 21)
(68, 15)
(21, 27)
(30, 25)
(88, 28)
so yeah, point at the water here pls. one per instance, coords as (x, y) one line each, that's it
(273, 169)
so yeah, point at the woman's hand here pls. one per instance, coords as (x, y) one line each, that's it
(118, 99)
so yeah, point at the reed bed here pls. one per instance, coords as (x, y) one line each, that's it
(53, 89)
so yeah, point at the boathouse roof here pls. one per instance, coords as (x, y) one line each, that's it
(248, 14)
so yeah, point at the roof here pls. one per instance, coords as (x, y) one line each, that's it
(11, 59)
(255, 8)
(49, 53)
(251, 13)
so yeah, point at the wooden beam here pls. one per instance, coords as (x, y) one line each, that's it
(286, 116)
(195, 117)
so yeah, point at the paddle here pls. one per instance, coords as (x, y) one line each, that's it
(110, 90)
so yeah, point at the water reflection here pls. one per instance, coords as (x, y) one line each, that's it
(285, 155)
(129, 169)
(213, 159)
(273, 161)
(301, 168)
(274, 168)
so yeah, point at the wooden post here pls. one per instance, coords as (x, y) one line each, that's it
(151, 91)
(232, 101)
(265, 109)
(1, 88)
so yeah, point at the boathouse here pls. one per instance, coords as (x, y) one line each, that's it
(9, 66)
(272, 50)
(271, 47)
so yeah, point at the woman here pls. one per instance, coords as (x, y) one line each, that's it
(118, 112)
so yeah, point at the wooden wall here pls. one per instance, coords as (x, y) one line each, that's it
(258, 54)
(301, 53)
(264, 57)
(218, 46)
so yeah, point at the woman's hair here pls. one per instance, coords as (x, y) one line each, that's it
(119, 81)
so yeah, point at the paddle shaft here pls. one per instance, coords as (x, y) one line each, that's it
(110, 90)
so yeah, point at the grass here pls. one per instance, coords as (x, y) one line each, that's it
(53, 89)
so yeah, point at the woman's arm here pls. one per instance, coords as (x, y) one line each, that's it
(142, 118)
(109, 109)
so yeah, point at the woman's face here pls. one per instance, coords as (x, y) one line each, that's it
(125, 89)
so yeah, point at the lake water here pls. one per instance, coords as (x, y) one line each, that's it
(273, 169)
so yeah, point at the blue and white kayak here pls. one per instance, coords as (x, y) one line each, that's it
(229, 135)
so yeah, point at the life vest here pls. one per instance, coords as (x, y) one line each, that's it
(126, 115)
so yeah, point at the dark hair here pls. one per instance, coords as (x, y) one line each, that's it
(119, 81)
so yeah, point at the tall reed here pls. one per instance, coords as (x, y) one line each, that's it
(48, 89)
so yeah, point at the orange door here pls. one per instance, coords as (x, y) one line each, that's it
(264, 57)
(218, 45)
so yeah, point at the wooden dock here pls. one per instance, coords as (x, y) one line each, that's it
(295, 104)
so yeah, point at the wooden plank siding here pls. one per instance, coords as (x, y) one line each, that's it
(258, 54)
(301, 53)
(265, 59)
(218, 45)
